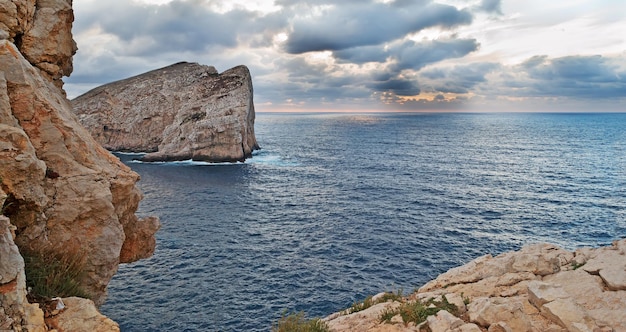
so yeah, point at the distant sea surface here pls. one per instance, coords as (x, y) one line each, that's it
(336, 207)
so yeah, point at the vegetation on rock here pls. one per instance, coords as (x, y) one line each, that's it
(56, 275)
(297, 322)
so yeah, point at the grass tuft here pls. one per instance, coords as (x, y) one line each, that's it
(369, 301)
(296, 322)
(417, 312)
(56, 275)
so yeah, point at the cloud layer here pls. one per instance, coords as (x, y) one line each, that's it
(360, 54)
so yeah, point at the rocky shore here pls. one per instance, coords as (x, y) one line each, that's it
(540, 288)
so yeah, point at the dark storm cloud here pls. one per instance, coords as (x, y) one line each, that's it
(351, 25)
(409, 54)
(592, 77)
(400, 87)
(458, 79)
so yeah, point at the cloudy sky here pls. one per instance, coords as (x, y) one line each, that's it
(404, 55)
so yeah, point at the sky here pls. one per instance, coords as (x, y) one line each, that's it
(371, 55)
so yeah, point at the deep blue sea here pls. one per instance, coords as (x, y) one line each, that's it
(336, 207)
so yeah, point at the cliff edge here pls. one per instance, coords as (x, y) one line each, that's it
(540, 288)
(180, 112)
(65, 194)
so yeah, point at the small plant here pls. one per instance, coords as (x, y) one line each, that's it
(466, 300)
(360, 306)
(387, 315)
(56, 275)
(577, 265)
(417, 312)
(369, 301)
(296, 322)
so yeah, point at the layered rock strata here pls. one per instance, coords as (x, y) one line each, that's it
(539, 288)
(180, 112)
(65, 193)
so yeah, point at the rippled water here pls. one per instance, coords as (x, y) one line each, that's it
(340, 206)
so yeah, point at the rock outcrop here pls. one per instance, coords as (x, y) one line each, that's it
(180, 112)
(539, 288)
(65, 193)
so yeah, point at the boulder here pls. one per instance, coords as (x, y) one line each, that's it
(488, 311)
(180, 112)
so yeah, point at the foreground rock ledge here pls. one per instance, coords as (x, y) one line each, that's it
(539, 288)
(180, 112)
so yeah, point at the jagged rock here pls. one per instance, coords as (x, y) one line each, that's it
(16, 314)
(444, 321)
(546, 290)
(65, 192)
(500, 327)
(81, 315)
(183, 111)
(366, 320)
(487, 311)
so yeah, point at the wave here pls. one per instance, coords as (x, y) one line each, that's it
(259, 158)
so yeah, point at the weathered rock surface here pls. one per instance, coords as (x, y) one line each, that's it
(80, 315)
(65, 193)
(539, 288)
(180, 112)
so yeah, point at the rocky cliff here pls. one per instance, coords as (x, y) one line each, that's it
(64, 192)
(180, 112)
(540, 288)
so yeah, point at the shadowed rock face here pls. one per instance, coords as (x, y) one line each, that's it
(65, 193)
(180, 112)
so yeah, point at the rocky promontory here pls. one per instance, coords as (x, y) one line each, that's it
(541, 288)
(63, 194)
(180, 112)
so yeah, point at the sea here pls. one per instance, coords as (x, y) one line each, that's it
(339, 206)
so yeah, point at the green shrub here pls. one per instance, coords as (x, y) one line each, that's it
(369, 301)
(298, 323)
(417, 312)
(56, 275)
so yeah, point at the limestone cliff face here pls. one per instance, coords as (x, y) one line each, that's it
(183, 111)
(65, 193)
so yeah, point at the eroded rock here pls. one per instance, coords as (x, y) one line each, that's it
(65, 193)
(180, 112)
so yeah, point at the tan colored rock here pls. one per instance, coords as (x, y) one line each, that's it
(540, 293)
(16, 314)
(467, 328)
(458, 301)
(180, 112)
(499, 327)
(487, 311)
(444, 321)
(59, 181)
(48, 44)
(569, 315)
(366, 320)
(81, 315)
(614, 277)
